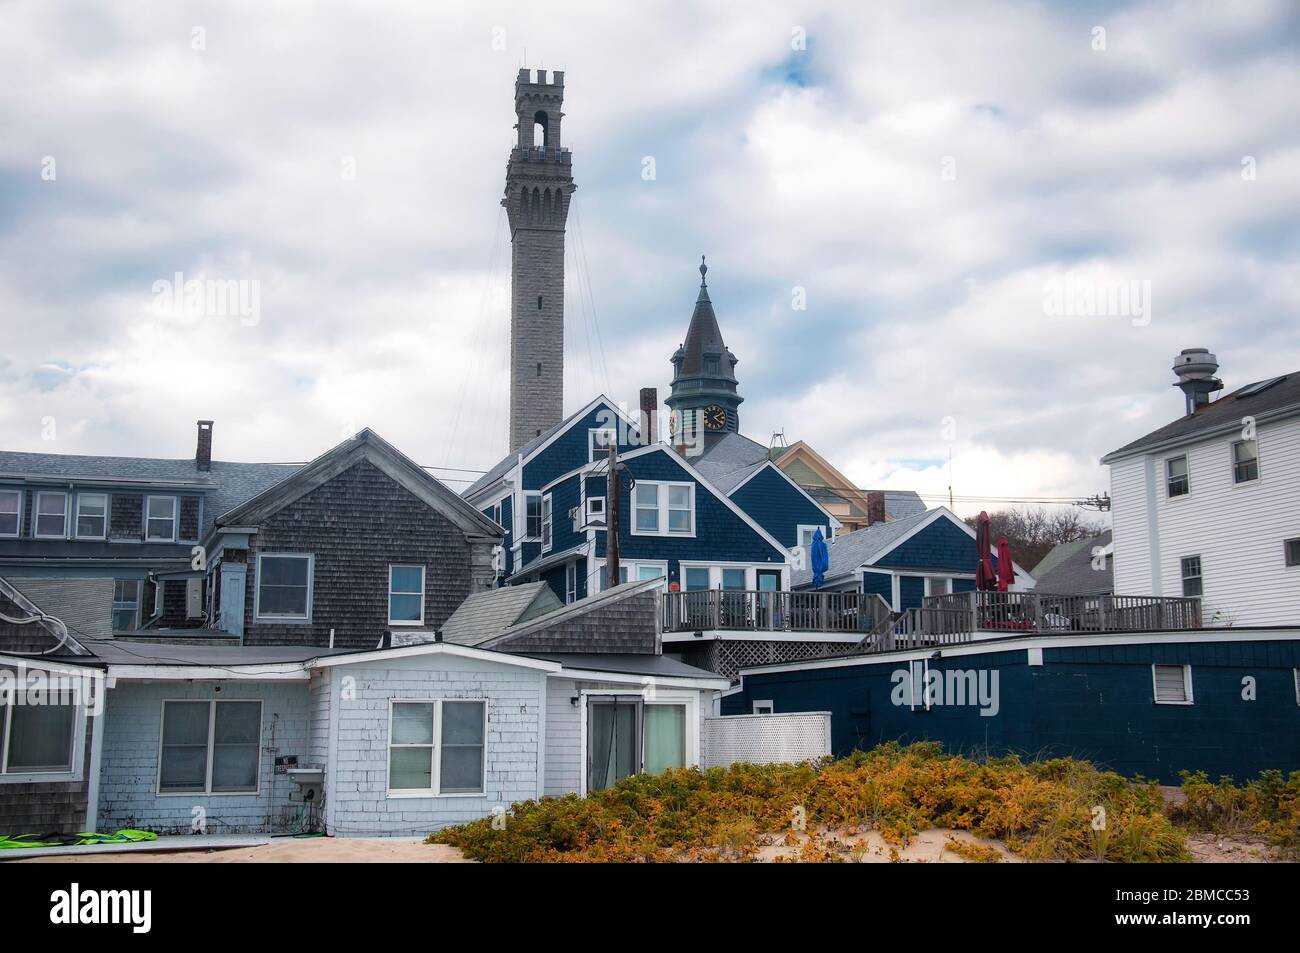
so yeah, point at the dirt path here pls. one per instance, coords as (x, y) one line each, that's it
(318, 850)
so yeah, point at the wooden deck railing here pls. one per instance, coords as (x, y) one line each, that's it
(941, 620)
(764, 611)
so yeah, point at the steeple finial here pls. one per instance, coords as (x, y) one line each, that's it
(704, 270)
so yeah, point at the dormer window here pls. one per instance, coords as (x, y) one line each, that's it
(92, 515)
(51, 515)
(160, 525)
(11, 507)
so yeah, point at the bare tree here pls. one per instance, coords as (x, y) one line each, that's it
(1034, 531)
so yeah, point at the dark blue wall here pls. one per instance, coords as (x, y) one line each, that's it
(1091, 702)
(569, 451)
(941, 545)
(778, 506)
(880, 583)
(720, 534)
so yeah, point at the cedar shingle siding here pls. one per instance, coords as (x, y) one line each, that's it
(126, 516)
(625, 626)
(189, 522)
(357, 525)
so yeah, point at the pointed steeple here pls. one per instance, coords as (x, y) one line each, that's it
(704, 370)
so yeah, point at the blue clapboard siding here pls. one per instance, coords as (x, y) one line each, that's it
(507, 523)
(570, 450)
(1093, 702)
(778, 506)
(941, 545)
(721, 535)
(911, 592)
(881, 583)
(564, 498)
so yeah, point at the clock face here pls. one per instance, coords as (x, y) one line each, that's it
(715, 418)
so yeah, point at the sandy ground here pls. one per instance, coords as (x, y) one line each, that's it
(316, 850)
(927, 847)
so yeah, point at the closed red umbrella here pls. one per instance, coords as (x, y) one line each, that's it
(985, 578)
(1006, 568)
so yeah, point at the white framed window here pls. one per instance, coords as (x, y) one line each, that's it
(1295, 674)
(570, 583)
(160, 518)
(532, 515)
(11, 511)
(806, 532)
(406, 595)
(92, 515)
(546, 522)
(637, 570)
(763, 707)
(938, 585)
(595, 511)
(663, 509)
(599, 440)
(1245, 461)
(1193, 583)
(126, 604)
(696, 578)
(1177, 482)
(1291, 552)
(210, 747)
(1172, 684)
(437, 748)
(41, 738)
(629, 735)
(284, 587)
(51, 515)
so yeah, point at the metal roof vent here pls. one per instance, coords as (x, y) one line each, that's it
(1195, 368)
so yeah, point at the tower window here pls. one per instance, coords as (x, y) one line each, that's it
(540, 132)
(539, 368)
(539, 302)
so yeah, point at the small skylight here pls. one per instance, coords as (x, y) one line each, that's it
(1250, 390)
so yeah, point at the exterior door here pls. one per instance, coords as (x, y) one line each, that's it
(613, 741)
(769, 602)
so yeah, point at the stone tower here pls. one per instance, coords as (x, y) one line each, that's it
(704, 399)
(539, 182)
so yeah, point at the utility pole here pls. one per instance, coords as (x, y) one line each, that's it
(611, 516)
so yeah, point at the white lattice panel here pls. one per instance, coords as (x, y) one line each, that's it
(766, 739)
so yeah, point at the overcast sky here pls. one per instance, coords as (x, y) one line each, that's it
(929, 176)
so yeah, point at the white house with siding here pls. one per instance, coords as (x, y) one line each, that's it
(1207, 505)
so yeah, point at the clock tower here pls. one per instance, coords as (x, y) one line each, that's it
(704, 401)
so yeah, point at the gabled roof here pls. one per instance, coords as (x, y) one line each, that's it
(17, 606)
(366, 445)
(508, 462)
(485, 615)
(565, 613)
(852, 551)
(225, 486)
(898, 503)
(1068, 570)
(1276, 400)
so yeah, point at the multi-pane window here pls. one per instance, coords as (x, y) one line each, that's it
(1172, 683)
(92, 515)
(284, 587)
(37, 738)
(663, 509)
(1245, 461)
(210, 747)
(437, 747)
(1191, 572)
(546, 521)
(1291, 552)
(11, 507)
(533, 516)
(160, 518)
(126, 604)
(51, 515)
(599, 442)
(1176, 482)
(625, 737)
(405, 595)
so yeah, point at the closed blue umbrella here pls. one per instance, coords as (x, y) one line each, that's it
(820, 558)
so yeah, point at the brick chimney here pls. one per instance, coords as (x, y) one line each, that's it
(875, 507)
(649, 416)
(203, 454)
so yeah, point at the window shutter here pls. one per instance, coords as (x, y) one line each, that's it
(1171, 685)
